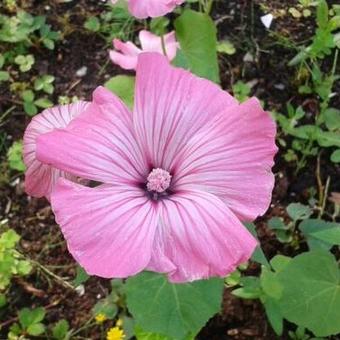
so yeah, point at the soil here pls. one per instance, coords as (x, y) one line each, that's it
(32, 218)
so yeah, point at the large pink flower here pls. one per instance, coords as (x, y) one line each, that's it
(143, 9)
(179, 175)
(128, 56)
(41, 178)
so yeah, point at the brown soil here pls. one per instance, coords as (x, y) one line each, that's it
(33, 219)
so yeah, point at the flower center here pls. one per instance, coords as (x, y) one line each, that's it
(158, 180)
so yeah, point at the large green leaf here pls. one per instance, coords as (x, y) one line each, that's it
(196, 34)
(258, 255)
(123, 87)
(173, 310)
(311, 292)
(320, 234)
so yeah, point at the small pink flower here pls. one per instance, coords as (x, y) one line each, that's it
(178, 176)
(128, 57)
(143, 9)
(41, 178)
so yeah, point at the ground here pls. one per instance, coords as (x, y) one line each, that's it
(33, 219)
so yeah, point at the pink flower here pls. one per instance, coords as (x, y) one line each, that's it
(128, 57)
(178, 176)
(41, 178)
(143, 9)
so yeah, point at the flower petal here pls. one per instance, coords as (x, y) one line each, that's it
(127, 59)
(40, 178)
(171, 105)
(232, 159)
(109, 230)
(142, 9)
(153, 43)
(201, 237)
(99, 145)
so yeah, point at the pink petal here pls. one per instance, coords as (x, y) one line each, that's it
(99, 145)
(142, 9)
(109, 230)
(127, 59)
(153, 43)
(41, 178)
(171, 106)
(232, 159)
(200, 237)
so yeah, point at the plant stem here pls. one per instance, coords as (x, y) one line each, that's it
(208, 6)
(53, 275)
(163, 45)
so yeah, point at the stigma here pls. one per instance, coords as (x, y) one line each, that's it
(158, 181)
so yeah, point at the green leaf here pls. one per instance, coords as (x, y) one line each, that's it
(320, 234)
(92, 24)
(334, 23)
(335, 156)
(159, 25)
(274, 315)
(258, 255)
(43, 103)
(24, 267)
(233, 279)
(4, 76)
(9, 238)
(181, 60)
(27, 96)
(3, 300)
(196, 33)
(247, 293)
(322, 14)
(28, 317)
(123, 87)
(279, 262)
(48, 43)
(276, 223)
(251, 288)
(332, 118)
(107, 307)
(60, 329)
(327, 138)
(241, 90)
(36, 329)
(311, 293)
(30, 108)
(226, 47)
(270, 284)
(2, 60)
(142, 335)
(81, 276)
(298, 211)
(14, 157)
(174, 310)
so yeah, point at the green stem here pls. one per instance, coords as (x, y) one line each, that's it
(163, 45)
(53, 275)
(208, 6)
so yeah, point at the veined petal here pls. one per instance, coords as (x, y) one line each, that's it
(153, 43)
(171, 106)
(41, 178)
(125, 54)
(200, 236)
(109, 229)
(99, 145)
(142, 9)
(232, 159)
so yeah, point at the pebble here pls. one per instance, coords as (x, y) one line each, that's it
(81, 72)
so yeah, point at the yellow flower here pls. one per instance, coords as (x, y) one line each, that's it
(100, 318)
(119, 323)
(115, 333)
